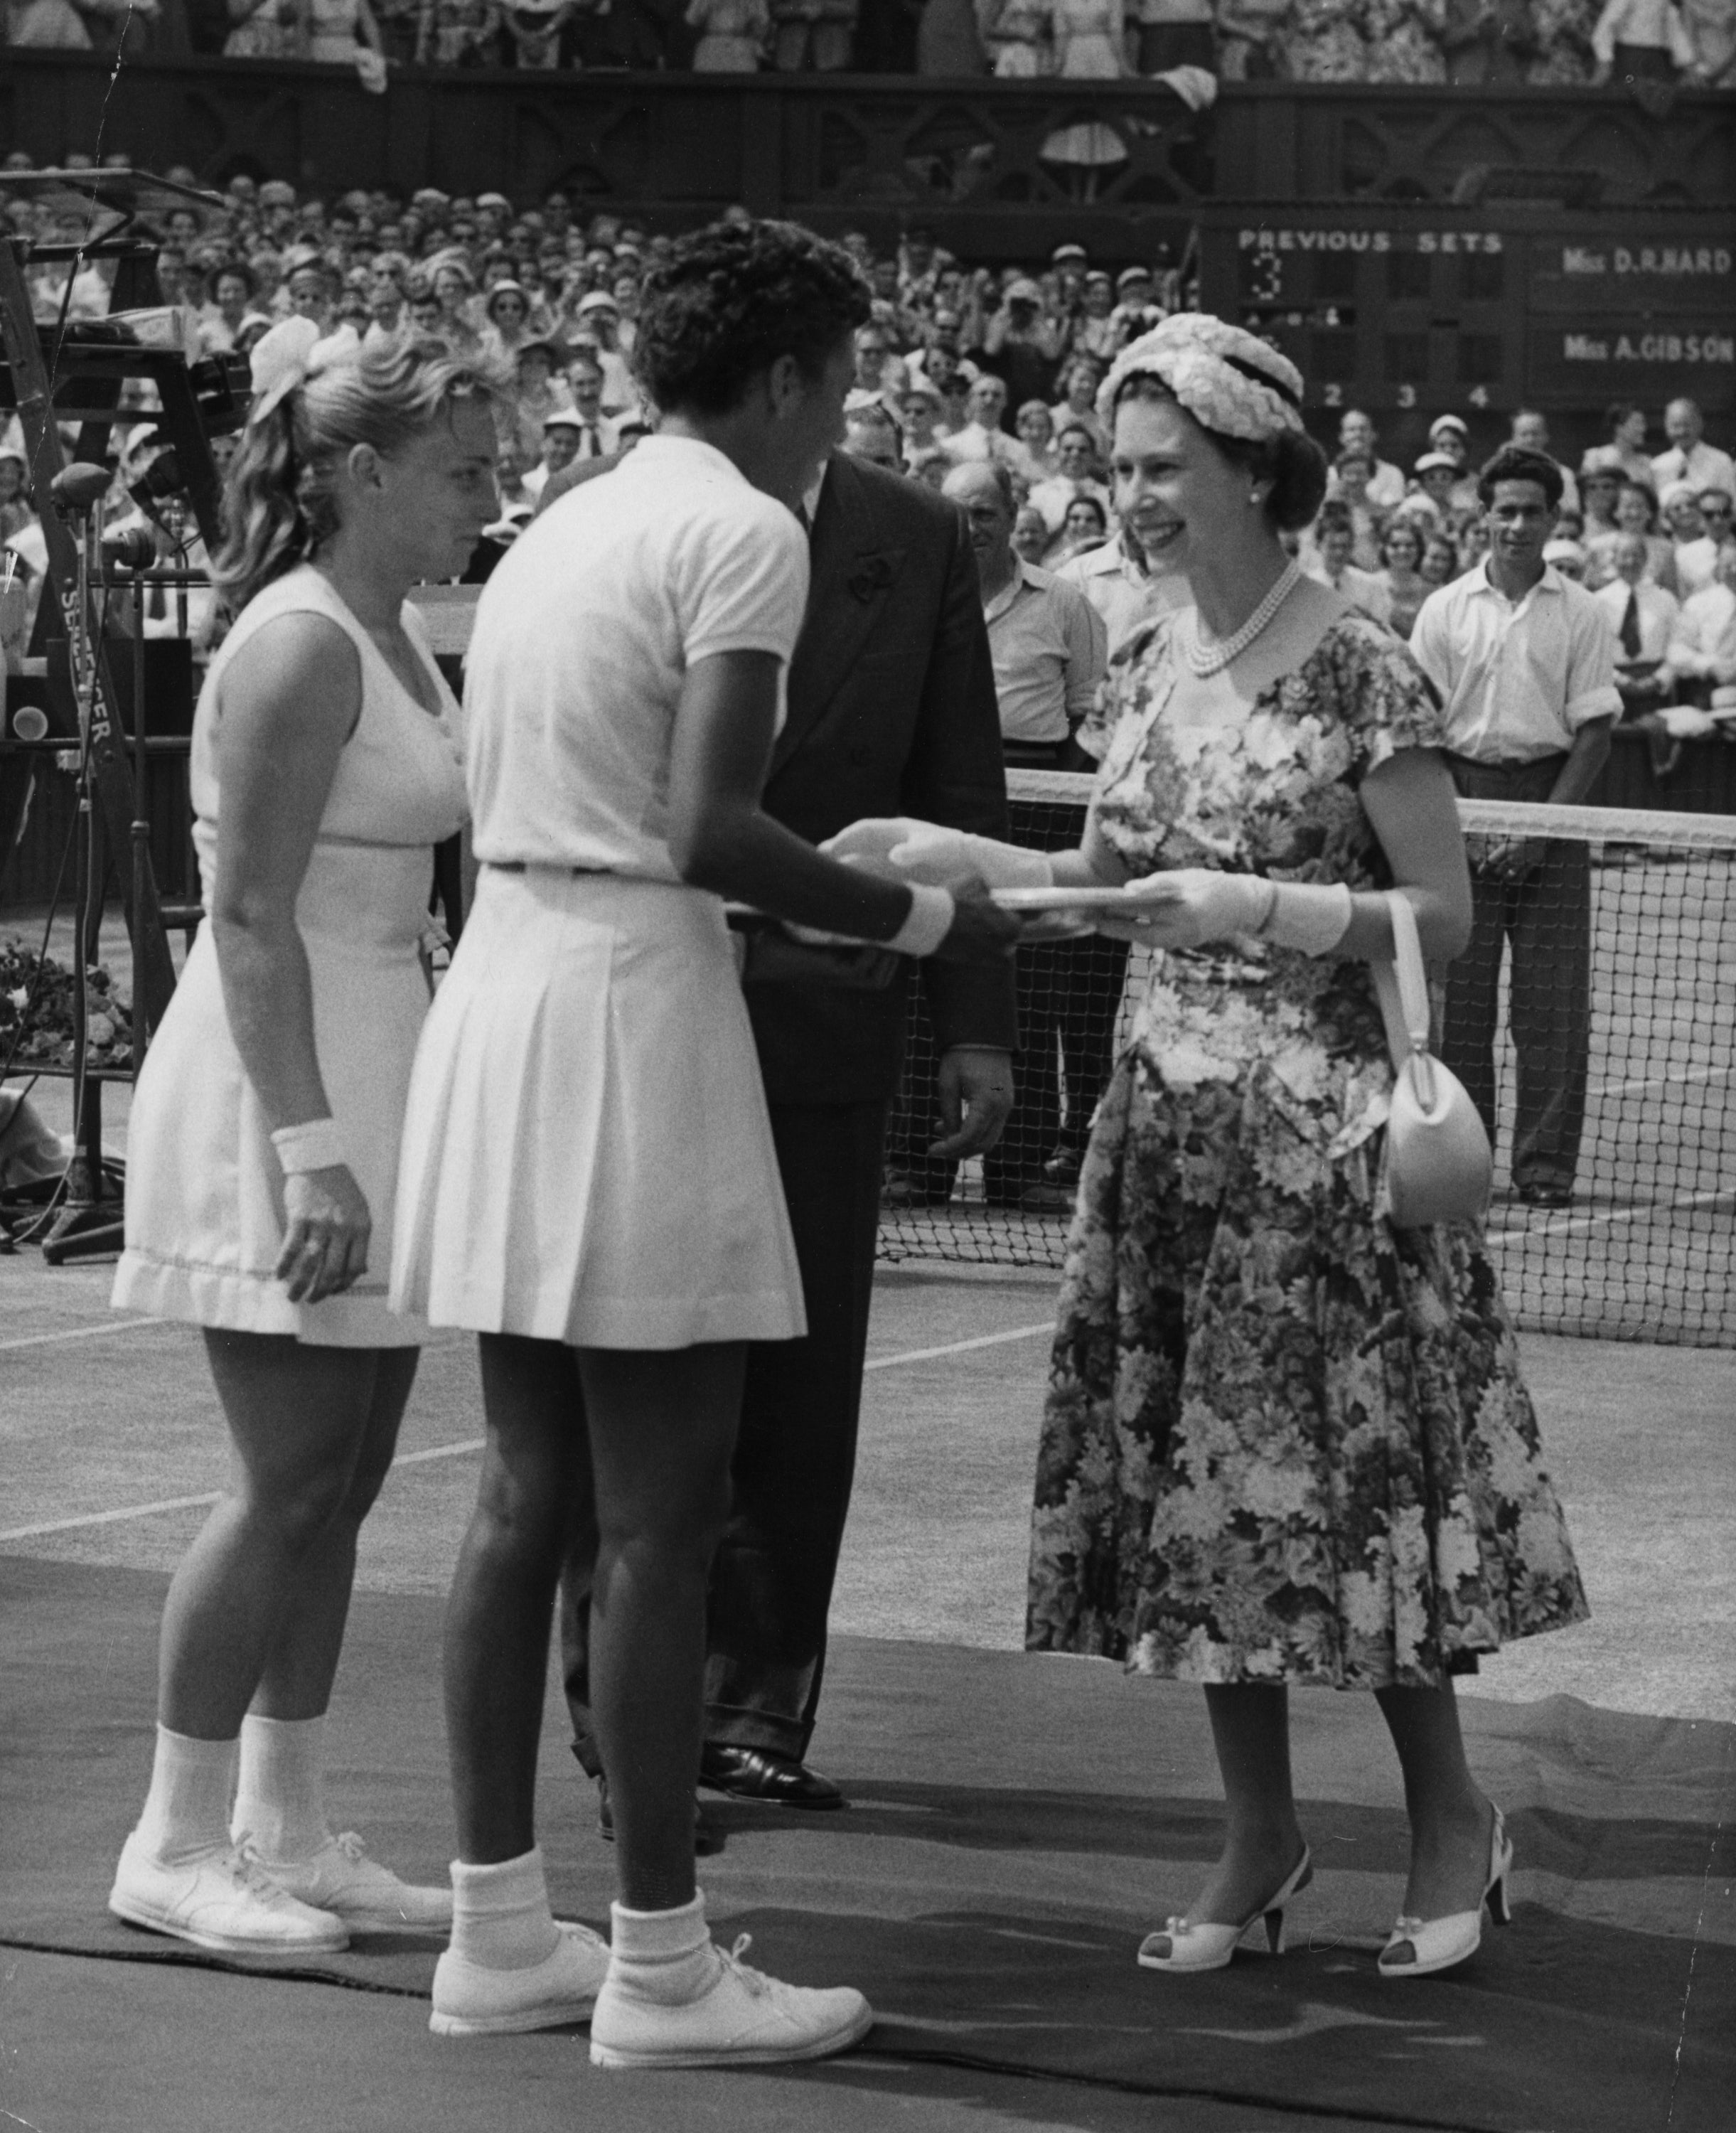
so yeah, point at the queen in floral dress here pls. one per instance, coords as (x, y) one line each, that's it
(1285, 1441)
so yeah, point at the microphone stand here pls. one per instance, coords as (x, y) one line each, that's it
(89, 1222)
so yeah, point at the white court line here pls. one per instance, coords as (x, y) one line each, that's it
(1651, 1207)
(958, 1347)
(80, 1332)
(1700, 1075)
(470, 1445)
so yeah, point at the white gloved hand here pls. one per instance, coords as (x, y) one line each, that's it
(901, 848)
(1187, 906)
(913, 850)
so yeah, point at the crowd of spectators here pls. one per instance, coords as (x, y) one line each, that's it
(1546, 42)
(958, 367)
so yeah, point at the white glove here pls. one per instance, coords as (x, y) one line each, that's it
(1191, 906)
(1187, 906)
(918, 851)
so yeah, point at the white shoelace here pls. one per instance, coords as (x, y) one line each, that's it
(756, 1981)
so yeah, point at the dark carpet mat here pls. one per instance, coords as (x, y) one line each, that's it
(1015, 1824)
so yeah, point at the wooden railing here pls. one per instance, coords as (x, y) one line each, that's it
(976, 159)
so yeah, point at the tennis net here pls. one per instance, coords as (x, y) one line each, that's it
(1595, 1013)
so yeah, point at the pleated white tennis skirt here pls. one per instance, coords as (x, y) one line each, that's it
(587, 1157)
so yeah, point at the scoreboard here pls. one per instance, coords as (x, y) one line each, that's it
(1409, 304)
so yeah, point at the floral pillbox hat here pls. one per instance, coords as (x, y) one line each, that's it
(1228, 379)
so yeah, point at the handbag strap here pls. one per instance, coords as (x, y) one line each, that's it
(1402, 984)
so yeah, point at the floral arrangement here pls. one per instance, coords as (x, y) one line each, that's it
(37, 1006)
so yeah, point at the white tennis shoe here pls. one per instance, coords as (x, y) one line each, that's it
(341, 1878)
(220, 1899)
(740, 2017)
(471, 2000)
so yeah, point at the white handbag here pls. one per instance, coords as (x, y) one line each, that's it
(1439, 1166)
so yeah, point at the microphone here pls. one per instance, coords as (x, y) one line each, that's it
(131, 549)
(75, 488)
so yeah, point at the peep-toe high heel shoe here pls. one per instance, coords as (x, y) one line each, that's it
(1438, 1943)
(1206, 1947)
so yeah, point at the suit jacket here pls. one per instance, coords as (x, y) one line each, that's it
(891, 711)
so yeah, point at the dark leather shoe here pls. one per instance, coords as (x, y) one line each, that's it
(1544, 1192)
(708, 1839)
(757, 1773)
(1063, 1167)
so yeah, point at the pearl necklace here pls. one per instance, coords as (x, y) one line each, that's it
(1208, 659)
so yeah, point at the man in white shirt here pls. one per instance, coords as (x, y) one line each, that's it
(1127, 594)
(1524, 661)
(1696, 545)
(1642, 616)
(1328, 562)
(560, 449)
(1531, 432)
(1048, 648)
(1047, 644)
(584, 383)
(1702, 648)
(1356, 433)
(982, 436)
(1690, 457)
(1074, 477)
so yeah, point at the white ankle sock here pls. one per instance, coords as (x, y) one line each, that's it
(280, 1797)
(664, 1956)
(500, 1915)
(187, 1808)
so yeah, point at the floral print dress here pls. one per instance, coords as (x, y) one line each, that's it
(1283, 1440)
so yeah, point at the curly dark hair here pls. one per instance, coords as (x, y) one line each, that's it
(1519, 463)
(730, 300)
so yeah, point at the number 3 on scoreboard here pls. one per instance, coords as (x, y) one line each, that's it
(1407, 395)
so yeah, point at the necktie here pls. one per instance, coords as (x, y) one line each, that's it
(1631, 639)
(807, 523)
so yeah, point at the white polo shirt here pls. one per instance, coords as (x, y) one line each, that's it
(583, 636)
(1518, 678)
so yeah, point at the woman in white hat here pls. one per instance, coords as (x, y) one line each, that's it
(1285, 1440)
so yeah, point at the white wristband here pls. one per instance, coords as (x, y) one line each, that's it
(1310, 917)
(928, 924)
(315, 1144)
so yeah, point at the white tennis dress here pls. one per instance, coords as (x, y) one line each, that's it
(204, 1191)
(587, 1154)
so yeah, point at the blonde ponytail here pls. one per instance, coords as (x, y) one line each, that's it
(280, 503)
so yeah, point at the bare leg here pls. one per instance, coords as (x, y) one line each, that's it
(298, 1675)
(1262, 1839)
(534, 1477)
(662, 1427)
(1450, 1816)
(298, 1418)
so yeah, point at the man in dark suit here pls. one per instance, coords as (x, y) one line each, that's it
(891, 711)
